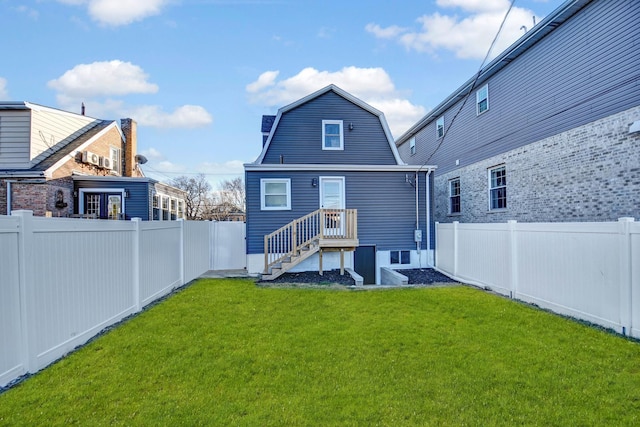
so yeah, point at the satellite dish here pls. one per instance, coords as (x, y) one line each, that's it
(141, 159)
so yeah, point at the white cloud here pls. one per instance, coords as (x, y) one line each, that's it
(30, 12)
(186, 116)
(265, 80)
(3, 89)
(97, 84)
(152, 154)
(119, 12)
(103, 79)
(372, 85)
(469, 36)
(390, 32)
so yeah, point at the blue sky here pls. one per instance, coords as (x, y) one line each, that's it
(197, 75)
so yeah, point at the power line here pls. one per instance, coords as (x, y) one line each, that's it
(472, 87)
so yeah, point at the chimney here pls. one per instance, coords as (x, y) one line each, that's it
(130, 130)
(82, 109)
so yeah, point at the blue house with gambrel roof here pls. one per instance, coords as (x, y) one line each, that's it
(329, 190)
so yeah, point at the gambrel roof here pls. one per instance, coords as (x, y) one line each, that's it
(347, 96)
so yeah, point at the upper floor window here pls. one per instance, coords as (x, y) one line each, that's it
(332, 135)
(454, 196)
(498, 188)
(482, 99)
(275, 194)
(114, 154)
(412, 145)
(440, 127)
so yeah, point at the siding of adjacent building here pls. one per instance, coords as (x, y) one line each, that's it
(51, 129)
(584, 70)
(15, 129)
(136, 205)
(298, 136)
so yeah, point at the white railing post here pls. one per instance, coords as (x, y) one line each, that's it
(455, 248)
(626, 301)
(28, 334)
(136, 263)
(513, 257)
(181, 260)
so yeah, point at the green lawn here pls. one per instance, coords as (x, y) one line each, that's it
(225, 352)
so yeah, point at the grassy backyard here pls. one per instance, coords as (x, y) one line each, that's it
(225, 352)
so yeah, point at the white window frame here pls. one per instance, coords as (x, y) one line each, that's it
(451, 196)
(480, 97)
(324, 135)
(497, 187)
(115, 154)
(263, 184)
(412, 145)
(440, 127)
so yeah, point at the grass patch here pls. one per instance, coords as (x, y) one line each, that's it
(225, 352)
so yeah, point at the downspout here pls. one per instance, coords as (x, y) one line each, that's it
(9, 196)
(417, 216)
(428, 211)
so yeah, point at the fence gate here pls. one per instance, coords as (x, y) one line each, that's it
(228, 248)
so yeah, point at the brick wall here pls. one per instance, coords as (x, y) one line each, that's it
(590, 173)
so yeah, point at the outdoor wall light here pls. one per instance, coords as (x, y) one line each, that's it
(126, 194)
(314, 182)
(350, 126)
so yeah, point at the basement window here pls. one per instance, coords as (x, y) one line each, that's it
(400, 257)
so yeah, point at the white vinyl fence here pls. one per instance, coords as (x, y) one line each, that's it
(64, 280)
(228, 246)
(589, 271)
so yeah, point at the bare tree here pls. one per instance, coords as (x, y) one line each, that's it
(229, 201)
(198, 191)
(233, 193)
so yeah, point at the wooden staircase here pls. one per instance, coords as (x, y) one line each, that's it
(324, 229)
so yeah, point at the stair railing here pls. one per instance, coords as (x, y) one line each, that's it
(287, 241)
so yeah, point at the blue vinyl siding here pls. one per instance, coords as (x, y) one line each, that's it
(584, 70)
(298, 136)
(385, 203)
(138, 202)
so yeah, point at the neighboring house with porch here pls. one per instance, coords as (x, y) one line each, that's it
(62, 164)
(329, 189)
(550, 130)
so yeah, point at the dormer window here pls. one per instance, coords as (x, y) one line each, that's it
(332, 135)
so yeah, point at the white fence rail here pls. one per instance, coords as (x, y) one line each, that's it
(589, 271)
(64, 280)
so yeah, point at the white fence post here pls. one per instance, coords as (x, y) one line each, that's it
(513, 258)
(27, 297)
(455, 248)
(136, 263)
(181, 266)
(625, 275)
(435, 247)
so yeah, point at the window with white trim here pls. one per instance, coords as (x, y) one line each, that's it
(498, 188)
(482, 99)
(454, 196)
(332, 135)
(114, 155)
(412, 145)
(399, 257)
(165, 208)
(440, 127)
(275, 194)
